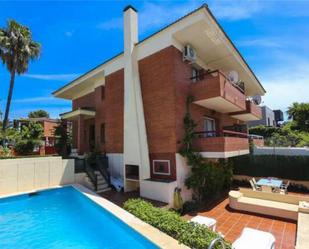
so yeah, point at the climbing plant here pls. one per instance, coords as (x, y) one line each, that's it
(208, 177)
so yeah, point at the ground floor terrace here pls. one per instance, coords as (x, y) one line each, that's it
(230, 223)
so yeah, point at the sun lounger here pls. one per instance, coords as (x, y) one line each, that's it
(254, 239)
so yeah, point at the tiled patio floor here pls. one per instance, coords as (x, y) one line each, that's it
(231, 223)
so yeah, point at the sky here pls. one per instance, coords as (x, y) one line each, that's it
(273, 37)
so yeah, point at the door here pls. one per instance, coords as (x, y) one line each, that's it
(91, 137)
(209, 127)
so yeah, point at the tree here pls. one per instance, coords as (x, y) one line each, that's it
(17, 49)
(38, 114)
(299, 113)
(63, 139)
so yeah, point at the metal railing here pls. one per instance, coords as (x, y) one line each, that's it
(221, 133)
(209, 73)
(102, 166)
(215, 241)
(253, 136)
(92, 175)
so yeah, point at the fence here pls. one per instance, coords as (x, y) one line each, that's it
(25, 174)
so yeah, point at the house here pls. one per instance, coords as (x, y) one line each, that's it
(132, 106)
(268, 118)
(278, 117)
(48, 125)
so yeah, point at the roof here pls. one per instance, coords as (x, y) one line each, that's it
(205, 6)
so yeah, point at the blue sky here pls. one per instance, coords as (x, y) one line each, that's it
(273, 36)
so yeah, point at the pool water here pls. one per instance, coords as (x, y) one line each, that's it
(60, 219)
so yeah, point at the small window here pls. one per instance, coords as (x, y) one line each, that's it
(161, 167)
(195, 74)
(102, 93)
(102, 133)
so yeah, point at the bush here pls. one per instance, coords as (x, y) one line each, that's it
(288, 167)
(188, 233)
(24, 147)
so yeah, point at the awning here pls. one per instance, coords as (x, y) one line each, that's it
(76, 113)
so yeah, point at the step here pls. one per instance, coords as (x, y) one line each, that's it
(103, 190)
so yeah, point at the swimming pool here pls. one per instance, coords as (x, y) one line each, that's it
(63, 218)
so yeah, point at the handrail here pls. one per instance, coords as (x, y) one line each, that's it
(253, 136)
(102, 165)
(201, 76)
(92, 175)
(222, 133)
(214, 242)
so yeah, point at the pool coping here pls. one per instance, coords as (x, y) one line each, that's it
(151, 233)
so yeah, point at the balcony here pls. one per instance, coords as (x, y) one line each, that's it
(252, 112)
(214, 91)
(221, 144)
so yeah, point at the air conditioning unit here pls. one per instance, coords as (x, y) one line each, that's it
(189, 54)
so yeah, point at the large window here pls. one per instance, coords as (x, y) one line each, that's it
(102, 133)
(209, 127)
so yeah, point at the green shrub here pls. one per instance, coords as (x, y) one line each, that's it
(24, 147)
(288, 167)
(188, 233)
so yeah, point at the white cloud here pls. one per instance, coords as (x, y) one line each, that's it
(286, 82)
(69, 33)
(235, 10)
(153, 16)
(61, 77)
(261, 42)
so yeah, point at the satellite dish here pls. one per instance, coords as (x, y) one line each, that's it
(257, 99)
(233, 76)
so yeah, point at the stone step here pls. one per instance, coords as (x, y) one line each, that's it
(103, 190)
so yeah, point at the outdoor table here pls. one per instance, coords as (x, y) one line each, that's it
(274, 183)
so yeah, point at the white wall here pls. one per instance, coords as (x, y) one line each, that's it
(183, 171)
(159, 191)
(25, 174)
(284, 151)
(115, 162)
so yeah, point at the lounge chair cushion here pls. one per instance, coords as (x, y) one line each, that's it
(254, 239)
(209, 222)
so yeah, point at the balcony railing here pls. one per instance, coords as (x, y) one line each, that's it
(221, 133)
(213, 90)
(206, 74)
(221, 141)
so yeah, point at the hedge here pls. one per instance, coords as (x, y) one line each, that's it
(189, 233)
(288, 167)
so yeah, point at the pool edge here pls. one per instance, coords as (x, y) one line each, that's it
(151, 233)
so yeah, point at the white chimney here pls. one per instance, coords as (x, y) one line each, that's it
(135, 144)
(130, 29)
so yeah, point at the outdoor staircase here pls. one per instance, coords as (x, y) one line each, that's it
(102, 185)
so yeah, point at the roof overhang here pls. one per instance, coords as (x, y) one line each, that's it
(86, 114)
(198, 28)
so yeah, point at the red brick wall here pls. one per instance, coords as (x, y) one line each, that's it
(114, 101)
(84, 101)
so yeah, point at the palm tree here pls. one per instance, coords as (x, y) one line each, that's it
(16, 50)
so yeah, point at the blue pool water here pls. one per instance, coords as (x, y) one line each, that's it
(62, 219)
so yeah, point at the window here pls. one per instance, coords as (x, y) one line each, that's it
(195, 74)
(209, 127)
(102, 92)
(161, 167)
(102, 133)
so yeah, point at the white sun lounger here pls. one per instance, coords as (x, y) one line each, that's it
(254, 239)
(202, 220)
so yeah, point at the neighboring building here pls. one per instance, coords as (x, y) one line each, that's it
(132, 106)
(268, 118)
(48, 125)
(278, 117)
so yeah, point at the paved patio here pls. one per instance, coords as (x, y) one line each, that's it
(231, 223)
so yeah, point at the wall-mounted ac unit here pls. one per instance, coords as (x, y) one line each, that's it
(189, 54)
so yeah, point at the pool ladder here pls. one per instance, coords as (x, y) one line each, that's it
(215, 241)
